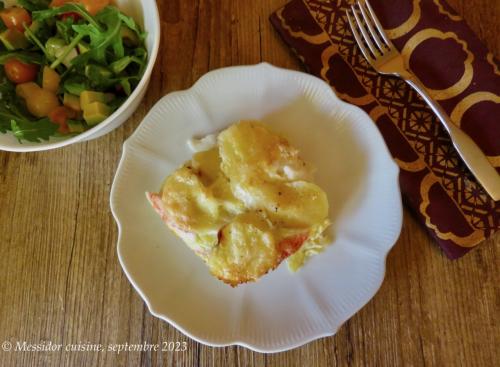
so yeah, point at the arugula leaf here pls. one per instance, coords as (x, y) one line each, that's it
(99, 77)
(75, 84)
(10, 106)
(33, 5)
(65, 30)
(95, 35)
(74, 88)
(120, 65)
(14, 116)
(101, 40)
(4, 123)
(66, 51)
(130, 22)
(38, 34)
(33, 131)
(42, 15)
(6, 86)
(23, 129)
(34, 39)
(118, 47)
(126, 86)
(24, 56)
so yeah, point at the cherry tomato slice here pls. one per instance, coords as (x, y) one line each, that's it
(60, 117)
(92, 6)
(57, 3)
(18, 72)
(15, 17)
(71, 14)
(95, 6)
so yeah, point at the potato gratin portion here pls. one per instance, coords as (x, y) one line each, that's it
(246, 204)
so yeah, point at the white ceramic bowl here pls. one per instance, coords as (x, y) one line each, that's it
(145, 12)
(281, 310)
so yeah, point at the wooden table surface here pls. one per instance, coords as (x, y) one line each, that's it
(60, 279)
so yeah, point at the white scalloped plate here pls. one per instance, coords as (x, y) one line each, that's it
(282, 310)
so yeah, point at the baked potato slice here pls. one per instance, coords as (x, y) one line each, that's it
(248, 150)
(249, 247)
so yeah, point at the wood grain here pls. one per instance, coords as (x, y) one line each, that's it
(60, 280)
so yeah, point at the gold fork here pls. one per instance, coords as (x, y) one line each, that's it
(380, 52)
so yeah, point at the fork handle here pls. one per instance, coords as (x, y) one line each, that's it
(469, 151)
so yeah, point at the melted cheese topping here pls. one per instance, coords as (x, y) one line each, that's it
(246, 251)
(246, 204)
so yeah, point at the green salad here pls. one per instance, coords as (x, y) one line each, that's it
(65, 66)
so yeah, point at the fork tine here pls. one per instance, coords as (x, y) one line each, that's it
(378, 25)
(368, 21)
(373, 49)
(359, 40)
